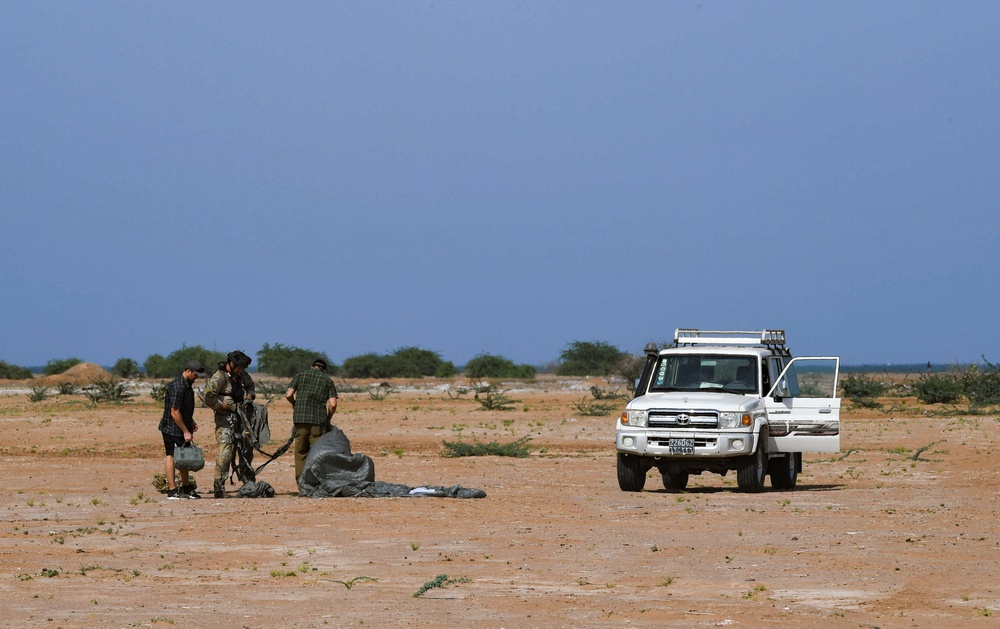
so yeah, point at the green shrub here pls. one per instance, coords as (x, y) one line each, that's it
(442, 580)
(66, 388)
(423, 362)
(866, 402)
(159, 391)
(57, 366)
(400, 367)
(286, 361)
(600, 402)
(982, 386)
(604, 394)
(590, 408)
(491, 366)
(517, 448)
(126, 368)
(493, 398)
(173, 365)
(862, 389)
(108, 391)
(407, 362)
(38, 394)
(589, 358)
(13, 372)
(155, 366)
(446, 369)
(938, 388)
(365, 366)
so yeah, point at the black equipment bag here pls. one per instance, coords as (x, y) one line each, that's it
(189, 457)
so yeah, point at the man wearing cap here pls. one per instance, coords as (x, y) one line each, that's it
(229, 385)
(313, 397)
(178, 426)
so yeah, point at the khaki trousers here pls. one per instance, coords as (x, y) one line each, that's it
(305, 436)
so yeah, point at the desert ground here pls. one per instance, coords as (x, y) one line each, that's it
(897, 530)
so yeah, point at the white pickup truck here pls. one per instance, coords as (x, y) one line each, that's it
(715, 401)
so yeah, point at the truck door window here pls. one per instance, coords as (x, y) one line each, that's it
(776, 365)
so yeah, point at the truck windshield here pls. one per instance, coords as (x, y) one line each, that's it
(698, 372)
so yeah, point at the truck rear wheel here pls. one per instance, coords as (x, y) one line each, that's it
(631, 472)
(752, 469)
(785, 471)
(675, 481)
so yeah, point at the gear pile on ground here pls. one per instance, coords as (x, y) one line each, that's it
(255, 489)
(331, 470)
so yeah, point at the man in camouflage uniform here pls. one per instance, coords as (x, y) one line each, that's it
(229, 386)
(313, 397)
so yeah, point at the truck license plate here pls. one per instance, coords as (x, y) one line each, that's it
(680, 446)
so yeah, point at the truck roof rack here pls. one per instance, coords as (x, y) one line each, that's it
(774, 339)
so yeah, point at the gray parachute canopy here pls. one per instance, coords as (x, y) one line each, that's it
(331, 470)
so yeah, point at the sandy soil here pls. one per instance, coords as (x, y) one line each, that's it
(899, 530)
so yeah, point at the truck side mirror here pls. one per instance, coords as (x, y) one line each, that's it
(780, 391)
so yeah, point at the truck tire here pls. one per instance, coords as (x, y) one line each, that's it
(631, 472)
(751, 471)
(784, 471)
(675, 481)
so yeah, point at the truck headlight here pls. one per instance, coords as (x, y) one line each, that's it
(733, 420)
(634, 418)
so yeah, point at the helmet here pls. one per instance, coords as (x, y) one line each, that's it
(239, 359)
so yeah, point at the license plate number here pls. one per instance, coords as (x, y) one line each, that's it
(680, 446)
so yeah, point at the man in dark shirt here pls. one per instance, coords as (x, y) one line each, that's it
(178, 426)
(313, 397)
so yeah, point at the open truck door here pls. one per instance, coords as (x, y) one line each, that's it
(803, 409)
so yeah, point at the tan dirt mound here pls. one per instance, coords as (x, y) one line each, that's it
(79, 375)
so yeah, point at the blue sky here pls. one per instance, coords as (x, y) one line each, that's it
(502, 177)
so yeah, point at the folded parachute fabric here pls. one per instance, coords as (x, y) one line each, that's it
(256, 489)
(331, 470)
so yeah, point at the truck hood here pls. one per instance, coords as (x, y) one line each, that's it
(688, 399)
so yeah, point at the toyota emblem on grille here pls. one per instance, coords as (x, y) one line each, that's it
(683, 418)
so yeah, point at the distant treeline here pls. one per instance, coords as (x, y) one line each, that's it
(296, 358)
(600, 357)
(908, 367)
(864, 368)
(580, 358)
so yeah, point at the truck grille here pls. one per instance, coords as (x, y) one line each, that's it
(683, 419)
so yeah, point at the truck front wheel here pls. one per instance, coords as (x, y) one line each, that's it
(752, 469)
(631, 472)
